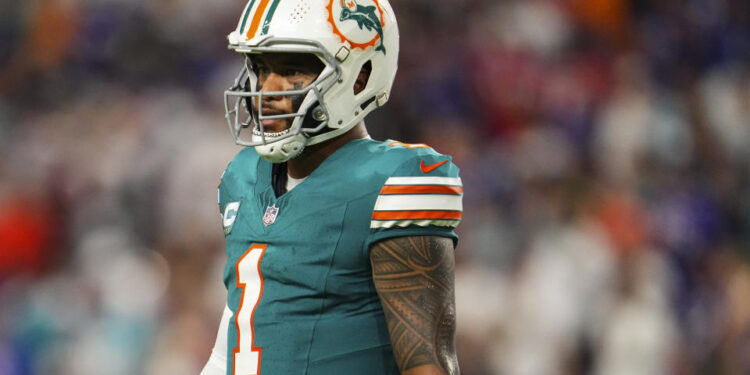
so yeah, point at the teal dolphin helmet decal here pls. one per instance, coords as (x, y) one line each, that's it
(367, 18)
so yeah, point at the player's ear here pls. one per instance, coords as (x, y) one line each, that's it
(362, 78)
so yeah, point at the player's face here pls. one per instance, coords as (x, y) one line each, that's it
(283, 72)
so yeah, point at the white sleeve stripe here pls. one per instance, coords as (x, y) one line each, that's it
(374, 224)
(425, 180)
(400, 202)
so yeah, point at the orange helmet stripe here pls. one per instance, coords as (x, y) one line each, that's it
(256, 19)
(247, 13)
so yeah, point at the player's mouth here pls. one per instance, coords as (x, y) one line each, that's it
(275, 125)
(269, 124)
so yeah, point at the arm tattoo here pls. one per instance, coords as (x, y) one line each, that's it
(414, 279)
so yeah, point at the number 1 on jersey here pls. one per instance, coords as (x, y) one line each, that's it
(250, 281)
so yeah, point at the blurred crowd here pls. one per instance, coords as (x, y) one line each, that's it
(603, 146)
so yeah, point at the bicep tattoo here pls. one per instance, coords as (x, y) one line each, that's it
(414, 279)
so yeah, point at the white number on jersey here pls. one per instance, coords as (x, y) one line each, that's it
(250, 280)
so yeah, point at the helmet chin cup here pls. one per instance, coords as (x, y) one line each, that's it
(281, 150)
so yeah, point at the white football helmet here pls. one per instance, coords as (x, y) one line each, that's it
(345, 35)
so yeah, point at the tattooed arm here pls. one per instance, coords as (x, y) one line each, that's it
(414, 279)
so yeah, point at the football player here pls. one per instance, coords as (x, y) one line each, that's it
(339, 247)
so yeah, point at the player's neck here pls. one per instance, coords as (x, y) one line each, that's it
(314, 155)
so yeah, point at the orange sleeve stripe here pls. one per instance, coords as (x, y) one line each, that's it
(416, 215)
(421, 189)
(256, 19)
(409, 145)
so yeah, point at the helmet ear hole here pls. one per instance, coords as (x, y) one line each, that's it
(363, 78)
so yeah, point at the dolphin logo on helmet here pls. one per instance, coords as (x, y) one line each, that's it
(365, 17)
(369, 19)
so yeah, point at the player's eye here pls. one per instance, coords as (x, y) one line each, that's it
(292, 72)
(261, 69)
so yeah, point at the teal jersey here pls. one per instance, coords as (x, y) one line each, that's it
(298, 272)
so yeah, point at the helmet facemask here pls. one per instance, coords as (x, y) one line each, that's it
(310, 114)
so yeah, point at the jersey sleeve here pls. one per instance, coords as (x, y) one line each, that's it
(423, 197)
(231, 190)
(218, 196)
(228, 206)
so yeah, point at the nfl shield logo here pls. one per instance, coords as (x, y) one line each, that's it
(270, 216)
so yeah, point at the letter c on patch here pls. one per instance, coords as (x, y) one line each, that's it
(230, 213)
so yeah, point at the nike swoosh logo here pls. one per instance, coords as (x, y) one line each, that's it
(429, 168)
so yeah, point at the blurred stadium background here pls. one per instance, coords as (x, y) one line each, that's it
(604, 147)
